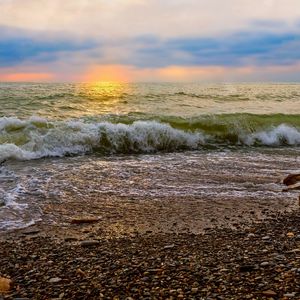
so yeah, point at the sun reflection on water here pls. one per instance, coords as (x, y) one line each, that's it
(103, 90)
(103, 97)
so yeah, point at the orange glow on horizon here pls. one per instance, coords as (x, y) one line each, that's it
(19, 77)
(108, 74)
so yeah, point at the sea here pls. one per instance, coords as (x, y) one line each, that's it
(145, 140)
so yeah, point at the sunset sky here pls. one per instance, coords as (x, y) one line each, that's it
(149, 40)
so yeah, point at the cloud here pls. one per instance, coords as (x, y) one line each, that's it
(18, 46)
(237, 49)
(117, 19)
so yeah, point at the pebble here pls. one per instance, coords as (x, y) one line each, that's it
(169, 246)
(266, 237)
(195, 267)
(280, 257)
(30, 231)
(247, 268)
(55, 280)
(82, 220)
(289, 295)
(5, 284)
(269, 293)
(70, 239)
(89, 243)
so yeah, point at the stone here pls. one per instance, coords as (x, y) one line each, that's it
(269, 293)
(289, 295)
(265, 238)
(194, 290)
(290, 234)
(30, 231)
(80, 272)
(71, 239)
(247, 268)
(297, 250)
(264, 264)
(55, 280)
(169, 246)
(89, 243)
(5, 284)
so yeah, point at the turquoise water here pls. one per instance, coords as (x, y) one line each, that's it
(46, 129)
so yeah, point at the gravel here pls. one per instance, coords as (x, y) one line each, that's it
(219, 264)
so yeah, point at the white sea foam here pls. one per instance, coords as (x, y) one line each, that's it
(76, 137)
(280, 135)
(36, 138)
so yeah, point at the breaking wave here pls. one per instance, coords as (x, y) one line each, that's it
(36, 137)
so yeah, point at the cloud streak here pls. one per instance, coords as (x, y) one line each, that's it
(18, 46)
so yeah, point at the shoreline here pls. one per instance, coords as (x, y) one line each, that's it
(257, 259)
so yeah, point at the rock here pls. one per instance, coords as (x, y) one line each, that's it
(247, 268)
(5, 284)
(264, 264)
(280, 257)
(89, 243)
(289, 295)
(154, 271)
(291, 179)
(71, 239)
(194, 290)
(290, 234)
(80, 272)
(297, 250)
(29, 231)
(84, 220)
(169, 246)
(55, 280)
(265, 238)
(269, 293)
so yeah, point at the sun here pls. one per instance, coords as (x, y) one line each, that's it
(107, 74)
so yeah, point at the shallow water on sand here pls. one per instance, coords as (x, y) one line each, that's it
(28, 187)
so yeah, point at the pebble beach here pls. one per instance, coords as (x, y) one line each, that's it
(259, 259)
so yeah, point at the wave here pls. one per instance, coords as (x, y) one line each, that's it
(36, 137)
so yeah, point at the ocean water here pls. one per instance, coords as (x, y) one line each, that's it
(67, 141)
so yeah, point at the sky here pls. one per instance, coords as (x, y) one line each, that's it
(150, 40)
